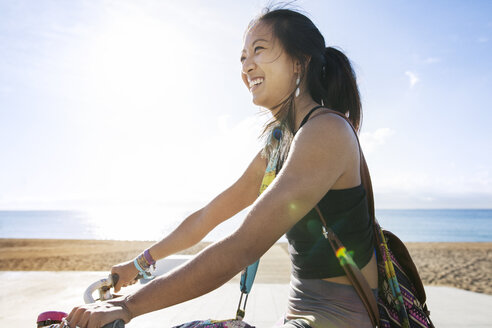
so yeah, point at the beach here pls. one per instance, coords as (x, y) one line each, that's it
(465, 266)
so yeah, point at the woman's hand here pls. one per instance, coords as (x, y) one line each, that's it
(127, 273)
(96, 315)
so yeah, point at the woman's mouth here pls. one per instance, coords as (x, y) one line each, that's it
(253, 84)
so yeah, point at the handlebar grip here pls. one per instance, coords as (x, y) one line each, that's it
(115, 277)
(115, 324)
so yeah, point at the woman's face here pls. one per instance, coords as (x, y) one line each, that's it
(267, 71)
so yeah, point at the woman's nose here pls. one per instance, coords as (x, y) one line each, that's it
(248, 65)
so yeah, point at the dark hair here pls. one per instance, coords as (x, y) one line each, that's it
(329, 76)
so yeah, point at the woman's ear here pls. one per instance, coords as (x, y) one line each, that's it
(298, 65)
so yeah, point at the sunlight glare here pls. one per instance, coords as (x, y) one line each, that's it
(133, 222)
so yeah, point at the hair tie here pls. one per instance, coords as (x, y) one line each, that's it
(328, 52)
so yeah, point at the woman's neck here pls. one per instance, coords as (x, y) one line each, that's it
(303, 104)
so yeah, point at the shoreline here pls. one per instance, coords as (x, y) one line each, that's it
(464, 265)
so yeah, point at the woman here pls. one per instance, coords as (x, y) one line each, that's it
(288, 70)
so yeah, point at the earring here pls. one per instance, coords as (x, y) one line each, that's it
(297, 84)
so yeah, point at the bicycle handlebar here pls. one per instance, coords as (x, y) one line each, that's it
(115, 324)
(103, 286)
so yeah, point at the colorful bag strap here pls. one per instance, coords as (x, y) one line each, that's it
(248, 275)
(352, 271)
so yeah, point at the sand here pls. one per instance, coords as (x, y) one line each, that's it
(462, 265)
(70, 255)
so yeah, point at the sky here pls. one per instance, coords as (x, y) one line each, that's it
(139, 104)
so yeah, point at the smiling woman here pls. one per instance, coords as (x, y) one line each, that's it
(314, 157)
(261, 57)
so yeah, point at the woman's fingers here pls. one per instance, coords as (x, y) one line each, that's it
(127, 284)
(119, 283)
(84, 320)
(127, 273)
(79, 317)
(96, 315)
(74, 315)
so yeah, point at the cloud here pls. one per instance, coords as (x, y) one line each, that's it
(482, 39)
(5, 90)
(432, 60)
(413, 78)
(371, 140)
(403, 187)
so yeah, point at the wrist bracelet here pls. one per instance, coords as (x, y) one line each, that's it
(145, 274)
(142, 262)
(149, 258)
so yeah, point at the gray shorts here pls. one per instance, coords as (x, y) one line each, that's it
(318, 303)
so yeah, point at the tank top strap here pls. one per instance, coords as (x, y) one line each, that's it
(306, 118)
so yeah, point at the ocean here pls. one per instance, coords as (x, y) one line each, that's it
(443, 225)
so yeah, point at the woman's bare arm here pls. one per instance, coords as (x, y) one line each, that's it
(318, 157)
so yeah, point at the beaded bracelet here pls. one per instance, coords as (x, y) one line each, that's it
(144, 273)
(150, 260)
(142, 262)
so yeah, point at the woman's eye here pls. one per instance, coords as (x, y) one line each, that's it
(256, 49)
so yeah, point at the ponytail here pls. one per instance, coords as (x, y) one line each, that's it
(340, 91)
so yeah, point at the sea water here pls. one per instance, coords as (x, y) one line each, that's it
(442, 225)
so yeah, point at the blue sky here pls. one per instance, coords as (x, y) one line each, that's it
(140, 104)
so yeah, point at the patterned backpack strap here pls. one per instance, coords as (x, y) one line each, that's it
(353, 273)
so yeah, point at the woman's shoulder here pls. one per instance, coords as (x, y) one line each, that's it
(331, 115)
(325, 126)
(328, 138)
(328, 143)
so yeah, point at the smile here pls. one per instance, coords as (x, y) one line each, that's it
(254, 83)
